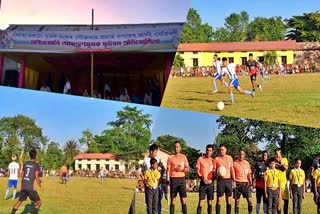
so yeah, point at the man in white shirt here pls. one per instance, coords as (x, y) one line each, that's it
(107, 91)
(67, 87)
(217, 76)
(230, 71)
(13, 172)
(44, 87)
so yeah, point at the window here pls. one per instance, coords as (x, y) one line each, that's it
(89, 166)
(116, 166)
(89, 160)
(97, 166)
(79, 166)
(98, 159)
(181, 52)
(80, 160)
(107, 167)
(243, 60)
(230, 51)
(195, 52)
(284, 59)
(195, 62)
(231, 60)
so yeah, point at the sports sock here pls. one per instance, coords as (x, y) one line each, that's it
(250, 207)
(231, 98)
(14, 194)
(236, 210)
(215, 85)
(226, 84)
(217, 209)
(14, 210)
(184, 208)
(257, 208)
(210, 209)
(6, 195)
(171, 209)
(265, 208)
(199, 209)
(248, 92)
(228, 208)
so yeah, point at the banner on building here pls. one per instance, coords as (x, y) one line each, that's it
(147, 38)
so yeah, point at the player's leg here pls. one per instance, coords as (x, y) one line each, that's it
(253, 82)
(248, 196)
(231, 93)
(209, 198)
(183, 195)
(160, 194)
(236, 196)
(16, 207)
(220, 194)
(238, 88)
(22, 197)
(15, 184)
(202, 195)
(259, 193)
(8, 190)
(214, 83)
(173, 194)
(228, 195)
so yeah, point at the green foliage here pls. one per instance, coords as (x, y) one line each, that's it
(89, 140)
(305, 28)
(236, 26)
(270, 57)
(70, 149)
(129, 135)
(194, 30)
(52, 158)
(178, 61)
(266, 29)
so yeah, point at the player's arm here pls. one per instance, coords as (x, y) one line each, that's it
(198, 170)
(284, 165)
(37, 178)
(265, 184)
(279, 188)
(250, 178)
(186, 166)
(290, 186)
(168, 171)
(253, 175)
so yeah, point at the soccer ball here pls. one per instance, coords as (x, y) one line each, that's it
(220, 106)
(221, 171)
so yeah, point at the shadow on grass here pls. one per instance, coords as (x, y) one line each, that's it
(10, 197)
(197, 99)
(128, 188)
(29, 208)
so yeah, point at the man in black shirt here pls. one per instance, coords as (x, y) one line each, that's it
(29, 174)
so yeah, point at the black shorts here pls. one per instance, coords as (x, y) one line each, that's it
(253, 77)
(224, 186)
(33, 195)
(64, 175)
(242, 188)
(205, 189)
(178, 185)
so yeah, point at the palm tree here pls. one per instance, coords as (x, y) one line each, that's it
(71, 149)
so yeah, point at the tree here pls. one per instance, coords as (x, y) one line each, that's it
(52, 158)
(221, 35)
(194, 30)
(71, 149)
(130, 134)
(236, 26)
(21, 133)
(266, 29)
(178, 61)
(305, 28)
(271, 58)
(89, 140)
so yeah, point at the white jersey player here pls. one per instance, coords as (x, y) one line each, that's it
(13, 173)
(217, 76)
(230, 71)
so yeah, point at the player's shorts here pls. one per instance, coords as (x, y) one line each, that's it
(178, 185)
(224, 186)
(253, 77)
(13, 183)
(33, 195)
(242, 188)
(217, 76)
(235, 83)
(205, 189)
(64, 175)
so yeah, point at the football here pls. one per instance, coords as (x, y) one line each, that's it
(221, 171)
(220, 106)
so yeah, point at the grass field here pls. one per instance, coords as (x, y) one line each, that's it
(294, 99)
(308, 205)
(80, 195)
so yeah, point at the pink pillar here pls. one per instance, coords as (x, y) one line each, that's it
(168, 68)
(1, 67)
(21, 73)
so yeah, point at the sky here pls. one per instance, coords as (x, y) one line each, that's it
(79, 11)
(214, 13)
(64, 117)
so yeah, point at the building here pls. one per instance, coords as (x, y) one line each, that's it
(111, 162)
(201, 54)
(125, 56)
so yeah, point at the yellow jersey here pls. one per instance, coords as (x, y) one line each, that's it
(316, 176)
(272, 178)
(152, 178)
(297, 176)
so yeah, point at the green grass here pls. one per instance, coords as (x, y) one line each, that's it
(308, 206)
(294, 99)
(80, 195)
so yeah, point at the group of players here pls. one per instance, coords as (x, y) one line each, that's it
(229, 69)
(268, 179)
